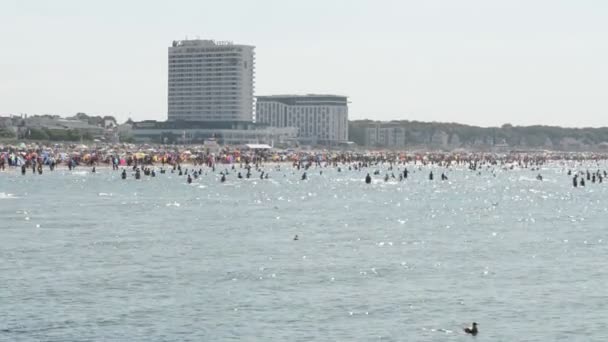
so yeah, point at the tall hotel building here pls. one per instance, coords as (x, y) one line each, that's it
(210, 81)
(320, 119)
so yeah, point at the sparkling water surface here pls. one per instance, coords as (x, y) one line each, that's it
(91, 257)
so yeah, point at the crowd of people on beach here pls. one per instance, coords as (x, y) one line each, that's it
(193, 162)
(127, 154)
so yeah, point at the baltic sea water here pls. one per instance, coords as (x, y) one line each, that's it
(91, 257)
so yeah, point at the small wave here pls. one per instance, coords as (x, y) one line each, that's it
(28, 330)
(4, 195)
(527, 179)
(103, 194)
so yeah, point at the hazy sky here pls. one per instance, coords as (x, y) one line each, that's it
(480, 62)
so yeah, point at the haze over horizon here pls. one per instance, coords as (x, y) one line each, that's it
(474, 62)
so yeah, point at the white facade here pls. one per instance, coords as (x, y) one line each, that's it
(210, 81)
(269, 135)
(320, 119)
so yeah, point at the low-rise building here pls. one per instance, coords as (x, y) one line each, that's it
(229, 133)
(320, 119)
(384, 135)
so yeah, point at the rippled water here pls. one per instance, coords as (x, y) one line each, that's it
(92, 257)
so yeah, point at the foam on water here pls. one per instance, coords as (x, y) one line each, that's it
(4, 195)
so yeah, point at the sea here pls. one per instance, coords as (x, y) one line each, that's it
(91, 257)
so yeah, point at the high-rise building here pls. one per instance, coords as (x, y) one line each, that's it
(320, 119)
(210, 81)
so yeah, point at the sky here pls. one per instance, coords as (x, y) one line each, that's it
(479, 62)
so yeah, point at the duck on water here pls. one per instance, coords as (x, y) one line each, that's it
(472, 330)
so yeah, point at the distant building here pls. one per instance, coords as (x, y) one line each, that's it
(440, 139)
(385, 135)
(320, 119)
(193, 132)
(54, 122)
(210, 81)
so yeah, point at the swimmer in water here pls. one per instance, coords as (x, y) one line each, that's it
(223, 178)
(368, 179)
(189, 179)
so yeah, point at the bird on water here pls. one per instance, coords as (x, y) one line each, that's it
(471, 330)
